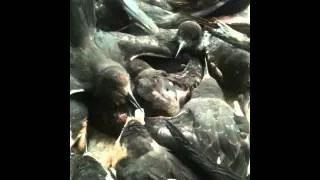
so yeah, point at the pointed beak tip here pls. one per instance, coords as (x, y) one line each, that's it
(133, 100)
(181, 46)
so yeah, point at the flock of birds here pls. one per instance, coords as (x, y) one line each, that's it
(159, 89)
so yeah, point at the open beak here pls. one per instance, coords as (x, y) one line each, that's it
(181, 46)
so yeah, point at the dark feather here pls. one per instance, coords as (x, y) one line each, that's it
(146, 159)
(200, 161)
(82, 21)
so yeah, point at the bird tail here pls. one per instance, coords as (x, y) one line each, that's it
(199, 162)
(82, 20)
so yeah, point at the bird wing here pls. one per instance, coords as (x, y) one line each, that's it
(132, 8)
(134, 46)
(82, 21)
(154, 165)
(201, 163)
(157, 128)
(89, 168)
(159, 15)
(215, 128)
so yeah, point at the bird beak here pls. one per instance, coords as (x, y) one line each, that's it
(181, 46)
(133, 100)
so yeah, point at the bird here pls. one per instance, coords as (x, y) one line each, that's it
(169, 20)
(189, 36)
(91, 64)
(154, 89)
(207, 121)
(232, 62)
(144, 158)
(234, 65)
(169, 14)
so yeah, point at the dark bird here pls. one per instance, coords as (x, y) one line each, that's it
(234, 63)
(91, 64)
(85, 167)
(159, 94)
(169, 20)
(167, 17)
(145, 159)
(189, 35)
(208, 123)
